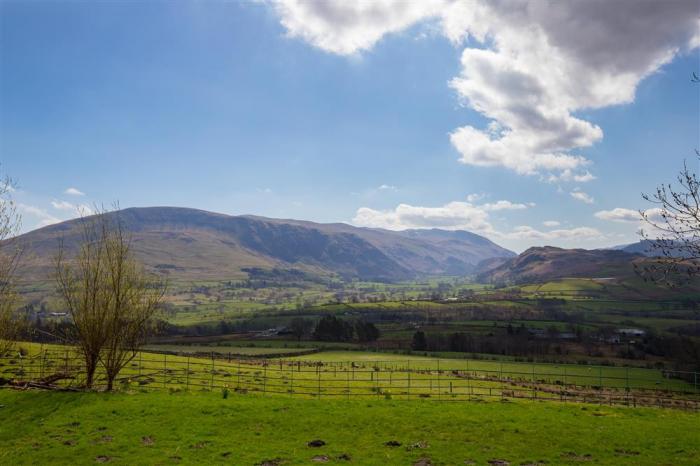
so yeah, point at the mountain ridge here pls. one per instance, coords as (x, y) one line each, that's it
(193, 243)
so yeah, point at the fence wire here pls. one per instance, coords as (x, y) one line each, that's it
(452, 380)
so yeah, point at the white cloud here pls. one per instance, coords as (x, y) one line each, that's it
(505, 205)
(528, 68)
(344, 27)
(76, 209)
(581, 196)
(73, 192)
(464, 216)
(619, 214)
(43, 217)
(452, 216)
(551, 223)
(529, 233)
(387, 187)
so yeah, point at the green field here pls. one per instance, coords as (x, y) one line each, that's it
(204, 428)
(342, 374)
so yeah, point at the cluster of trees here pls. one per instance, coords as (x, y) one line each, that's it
(332, 328)
(515, 344)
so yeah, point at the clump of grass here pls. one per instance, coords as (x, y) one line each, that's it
(224, 393)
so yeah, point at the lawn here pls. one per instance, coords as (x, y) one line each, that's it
(204, 428)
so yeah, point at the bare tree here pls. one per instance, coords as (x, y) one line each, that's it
(10, 324)
(674, 238)
(134, 298)
(109, 296)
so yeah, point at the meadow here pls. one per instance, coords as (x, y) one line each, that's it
(161, 427)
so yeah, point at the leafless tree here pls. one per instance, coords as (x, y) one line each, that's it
(110, 297)
(10, 323)
(674, 236)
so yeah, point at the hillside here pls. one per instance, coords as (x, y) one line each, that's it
(539, 264)
(194, 244)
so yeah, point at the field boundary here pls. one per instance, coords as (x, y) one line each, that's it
(406, 379)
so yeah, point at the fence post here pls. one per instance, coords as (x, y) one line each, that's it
(408, 368)
(239, 374)
(165, 367)
(42, 354)
(187, 383)
(211, 380)
(140, 363)
(347, 375)
(318, 375)
(532, 383)
(438, 380)
(264, 377)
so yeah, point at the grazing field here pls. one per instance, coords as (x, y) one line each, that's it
(233, 350)
(205, 428)
(339, 374)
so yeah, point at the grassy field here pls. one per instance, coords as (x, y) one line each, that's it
(205, 428)
(233, 350)
(342, 374)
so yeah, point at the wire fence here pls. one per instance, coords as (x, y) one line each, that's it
(446, 380)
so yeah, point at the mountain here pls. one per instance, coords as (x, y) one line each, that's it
(540, 264)
(188, 244)
(647, 248)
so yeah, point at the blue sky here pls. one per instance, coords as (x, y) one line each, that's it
(240, 108)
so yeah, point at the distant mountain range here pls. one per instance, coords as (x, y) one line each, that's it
(190, 244)
(647, 248)
(540, 264)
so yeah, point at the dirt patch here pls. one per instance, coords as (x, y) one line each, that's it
(316, 443)
(344, 457)
(103, 459)
(147, 440)
(623, 452)
(423, 462)
(320, 459)
(577, 457)
(392, 443)
(499, 462)
(274, 462)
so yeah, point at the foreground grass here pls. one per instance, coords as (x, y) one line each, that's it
(204, 428)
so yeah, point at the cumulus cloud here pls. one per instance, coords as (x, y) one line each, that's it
(551, 223)
(582, 196)
(505, 205)
(75, 209)
(464, 216)
(44, 218)
(527, 232)
(73, 192)
(620, 214)
(345, 28)
(527, 66)
(452, 216)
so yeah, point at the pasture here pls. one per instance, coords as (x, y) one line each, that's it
(158, 427)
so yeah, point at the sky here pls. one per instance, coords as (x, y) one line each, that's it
(531, 123)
